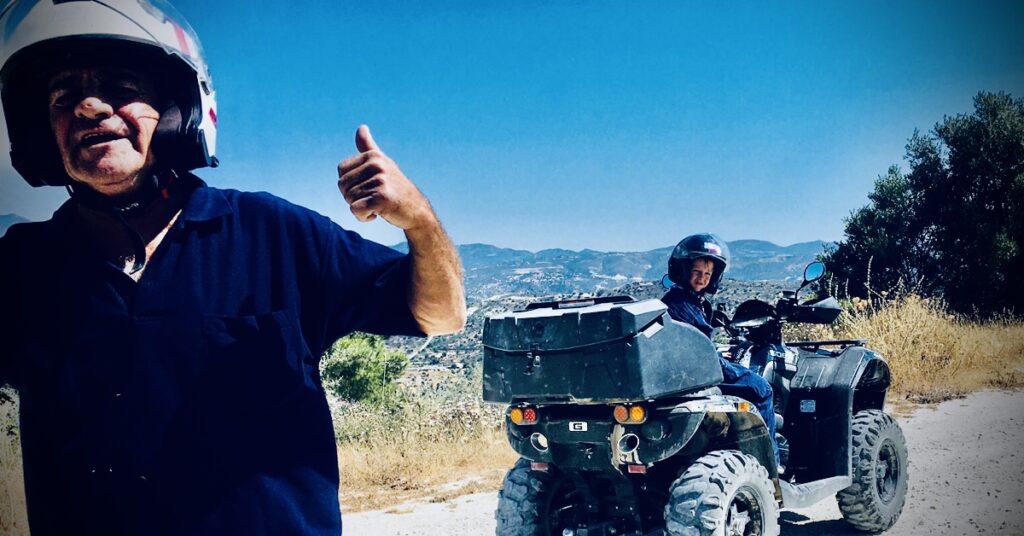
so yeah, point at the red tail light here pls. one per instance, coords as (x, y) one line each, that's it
(523, 415)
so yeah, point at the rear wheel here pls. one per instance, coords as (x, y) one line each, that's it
(875, 499)
(534, 503)
(724, 493)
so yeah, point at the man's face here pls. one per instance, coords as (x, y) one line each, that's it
(103, 120)
(700, 274)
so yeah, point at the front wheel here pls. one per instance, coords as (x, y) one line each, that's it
(534, 503)
(875, 499)
(724, 493)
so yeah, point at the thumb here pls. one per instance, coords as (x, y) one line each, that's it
(364, 140)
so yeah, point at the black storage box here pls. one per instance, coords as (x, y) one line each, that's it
(594, 351)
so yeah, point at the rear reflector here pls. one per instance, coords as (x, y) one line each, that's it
(637, 469)
(539, 466)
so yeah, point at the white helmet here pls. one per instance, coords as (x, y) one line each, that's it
(39, 36)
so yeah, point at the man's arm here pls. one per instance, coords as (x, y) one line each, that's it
(436, 296)
(373, 186)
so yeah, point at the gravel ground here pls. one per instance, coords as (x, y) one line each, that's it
(966, 478)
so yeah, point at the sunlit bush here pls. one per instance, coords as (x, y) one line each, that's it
(360, 368)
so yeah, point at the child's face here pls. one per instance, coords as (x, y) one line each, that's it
(700, 274)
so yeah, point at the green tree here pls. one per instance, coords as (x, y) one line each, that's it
(883, 246)
(360, 368)
(954, 224)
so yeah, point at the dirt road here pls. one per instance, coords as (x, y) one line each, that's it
(966, 478)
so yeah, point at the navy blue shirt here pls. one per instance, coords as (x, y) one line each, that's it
(685, 305)
(189, 402)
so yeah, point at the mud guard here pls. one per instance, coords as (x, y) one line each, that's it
(722, 425)
(824, 394)
(751, 436)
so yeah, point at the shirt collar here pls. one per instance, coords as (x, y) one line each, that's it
(205, 203)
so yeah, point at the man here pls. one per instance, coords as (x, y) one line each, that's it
(695, 269)
(163, 335)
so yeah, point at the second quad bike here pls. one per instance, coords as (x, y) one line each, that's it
(614, 410)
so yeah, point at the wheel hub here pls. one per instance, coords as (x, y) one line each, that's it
(737, 521)
(887, 471)
(744, 514)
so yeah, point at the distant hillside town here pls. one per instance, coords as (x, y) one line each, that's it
(493, 271)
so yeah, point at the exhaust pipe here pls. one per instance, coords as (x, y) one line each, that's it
(628, 443)
(539, 442)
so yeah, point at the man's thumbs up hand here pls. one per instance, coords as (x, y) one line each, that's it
(364, 140)
(372, 185)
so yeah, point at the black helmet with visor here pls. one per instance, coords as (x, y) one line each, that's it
(698, 246)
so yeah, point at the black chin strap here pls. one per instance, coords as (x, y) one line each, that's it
(124, 206)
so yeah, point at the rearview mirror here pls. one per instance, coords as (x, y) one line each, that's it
(719, 319)
(813, 272)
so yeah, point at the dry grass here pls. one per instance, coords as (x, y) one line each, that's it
(934, 355)
(379, 476)
(13, 517)
(418, 450)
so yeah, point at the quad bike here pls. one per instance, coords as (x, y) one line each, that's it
(614, 409)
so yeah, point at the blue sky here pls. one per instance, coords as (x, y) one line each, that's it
(603, 125)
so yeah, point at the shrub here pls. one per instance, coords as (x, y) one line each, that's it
(359, 368)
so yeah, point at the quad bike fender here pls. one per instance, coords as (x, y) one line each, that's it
(824, 394)
(731, 422)
(750, 434)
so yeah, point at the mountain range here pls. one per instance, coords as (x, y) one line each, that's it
(493, 271)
